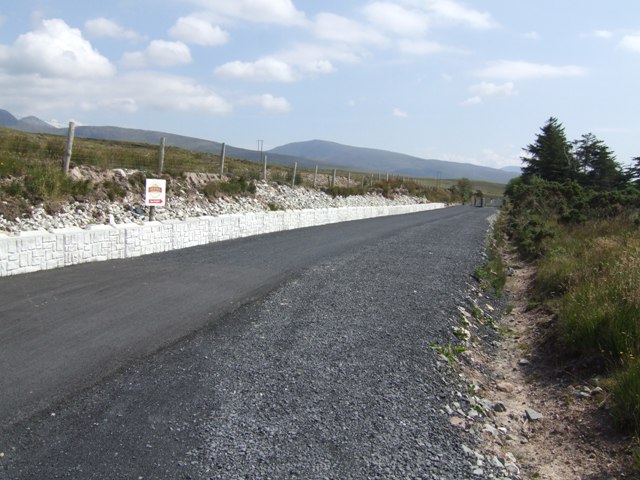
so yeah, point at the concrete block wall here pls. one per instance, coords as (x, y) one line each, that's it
(42, 250)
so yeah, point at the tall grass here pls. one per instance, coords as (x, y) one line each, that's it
(590, 277)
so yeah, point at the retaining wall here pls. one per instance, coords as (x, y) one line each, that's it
(42, 250)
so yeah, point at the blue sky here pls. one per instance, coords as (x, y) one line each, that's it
(455, 80)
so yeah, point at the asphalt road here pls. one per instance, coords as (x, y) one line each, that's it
(171, 356)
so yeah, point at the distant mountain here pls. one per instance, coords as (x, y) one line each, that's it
(512, 168)
(7, 119)
(368, 159)
(306, 154)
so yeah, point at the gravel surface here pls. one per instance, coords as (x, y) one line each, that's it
(332, 375)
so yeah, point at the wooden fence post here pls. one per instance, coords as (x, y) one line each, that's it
(161, 155)
(223, 152)
(67, 153)
(333, 179)
(295, 171)
(315, 177)
(264, 169)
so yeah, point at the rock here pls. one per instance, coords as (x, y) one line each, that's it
(505, 387)
(532, 415)
(499, 407)
(523, 362)
(458, 422)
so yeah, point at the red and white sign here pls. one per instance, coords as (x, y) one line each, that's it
(156, 192)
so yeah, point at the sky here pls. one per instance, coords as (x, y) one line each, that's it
(465, 81)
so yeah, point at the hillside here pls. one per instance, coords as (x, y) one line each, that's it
(307, 154)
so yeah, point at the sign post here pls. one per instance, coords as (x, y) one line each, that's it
(155, 195)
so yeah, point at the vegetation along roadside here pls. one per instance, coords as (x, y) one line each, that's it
(573, 220)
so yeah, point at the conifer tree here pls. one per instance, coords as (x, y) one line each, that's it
(598, 166)
(550, 157)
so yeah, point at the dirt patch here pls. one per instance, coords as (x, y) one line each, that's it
(549, 414)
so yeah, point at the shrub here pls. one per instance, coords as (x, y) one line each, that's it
(626, 398)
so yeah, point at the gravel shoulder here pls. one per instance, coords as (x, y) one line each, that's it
(332, 375)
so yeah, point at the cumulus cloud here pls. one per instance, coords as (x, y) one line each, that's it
(170, 92)
(399, 113)
(103, 27)
(56, 50)
(263, 11)
(469, 102)
(269, 103)
(396, 18)
(451, 11)
(604, 34)
(127, 93)
(518, 70)
(631, 43)
(421, 47)
(335, 28)
(487, 89)
(198, 31)
(159, 53)
(317, 59)
(267, 69)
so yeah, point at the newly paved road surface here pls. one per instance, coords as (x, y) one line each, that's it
(83, 395)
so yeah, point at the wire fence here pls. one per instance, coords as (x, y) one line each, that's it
(20, 151)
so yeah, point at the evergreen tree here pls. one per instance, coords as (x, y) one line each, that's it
(633, 172)
(598, 166)
(550, 157)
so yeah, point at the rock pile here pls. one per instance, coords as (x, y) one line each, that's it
(184, 202)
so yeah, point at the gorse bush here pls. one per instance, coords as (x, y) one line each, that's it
(236, 186)
(578, 217)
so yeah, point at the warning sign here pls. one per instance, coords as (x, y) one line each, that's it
(156, 192)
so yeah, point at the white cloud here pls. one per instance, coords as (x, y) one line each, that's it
(631, 43)
(397, 19)
(262, 11)
(399, 113)
(103, 27)
(267, 69)
(159, 53)
(469, 102)
(604, 34)
(335, 28)
(269, 102)
(456, 12)
(421, 47)
(169, 92)
(198, 31)
(316, 59)
(126, 93)
(518, 70)
(532, 35)
(55, 50)
(485, 89)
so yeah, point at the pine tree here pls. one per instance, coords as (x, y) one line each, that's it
(598, 166)
(633, 172)
(550, 157)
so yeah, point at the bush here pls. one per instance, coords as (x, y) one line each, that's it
(626, 398)
(234, 187)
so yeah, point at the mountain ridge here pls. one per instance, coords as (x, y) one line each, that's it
(324, 153)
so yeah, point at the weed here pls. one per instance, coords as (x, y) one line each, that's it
(449, 351)
(274, 207)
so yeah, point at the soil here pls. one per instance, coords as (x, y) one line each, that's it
(575, 439)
